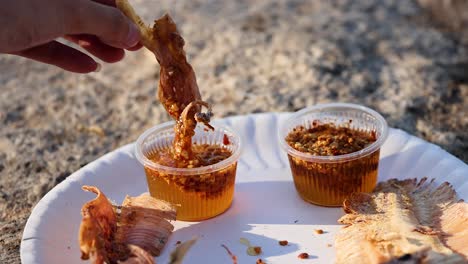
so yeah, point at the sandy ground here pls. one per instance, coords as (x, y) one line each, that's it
(249, 56)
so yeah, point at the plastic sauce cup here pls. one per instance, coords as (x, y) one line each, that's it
(328, 180)
(199, 193)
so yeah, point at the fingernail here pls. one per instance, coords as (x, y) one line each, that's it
(133, 36)
(98, 67)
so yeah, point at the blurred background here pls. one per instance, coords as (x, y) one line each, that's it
(407, 59)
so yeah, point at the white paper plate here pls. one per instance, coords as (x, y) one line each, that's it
(266, 207)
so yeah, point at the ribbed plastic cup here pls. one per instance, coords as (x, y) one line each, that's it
(199, 193)
(328, 180)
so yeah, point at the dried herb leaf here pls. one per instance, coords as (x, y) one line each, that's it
(177, 256)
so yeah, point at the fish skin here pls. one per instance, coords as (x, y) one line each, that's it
(129, 234)
(410, 219)
(144, 220)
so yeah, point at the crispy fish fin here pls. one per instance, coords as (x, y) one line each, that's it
(144, 222)
(404, 220)
(454, 224)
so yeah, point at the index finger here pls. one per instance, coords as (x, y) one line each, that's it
(107, 23)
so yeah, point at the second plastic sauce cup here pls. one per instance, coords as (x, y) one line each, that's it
(328, 180)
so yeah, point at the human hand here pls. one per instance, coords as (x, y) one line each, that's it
(30, 27)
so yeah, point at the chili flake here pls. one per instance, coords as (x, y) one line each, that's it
(254, 251)
(226, 140)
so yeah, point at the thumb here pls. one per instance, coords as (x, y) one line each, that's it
(108, 23)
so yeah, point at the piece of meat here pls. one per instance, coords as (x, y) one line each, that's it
(131, 233)
(97, 227)
(177, 84)
(185, 128)
(178, 90)
(404, 220)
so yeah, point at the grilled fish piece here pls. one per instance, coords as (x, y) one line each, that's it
(185, 128)
(178, 90)
(404, 221)
(177, 84)
(131, 233)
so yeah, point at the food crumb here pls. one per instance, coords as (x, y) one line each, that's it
(319, 231)
(303, 256)
(296, 221)
(254, 251)
(260, 261)
(178, 242)
(226, 140)
(257, 250)
(283, 243)
(329, 245)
